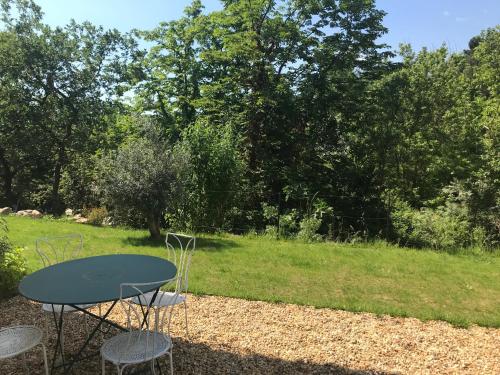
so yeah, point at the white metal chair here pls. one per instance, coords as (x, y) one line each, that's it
(18, 340)
(53, 250)
(146, 339)
(180, 250)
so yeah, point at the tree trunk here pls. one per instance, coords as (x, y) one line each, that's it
(56, 204)
(8, 176)
(154, 226)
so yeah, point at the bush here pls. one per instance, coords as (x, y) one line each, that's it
(444, 227)
(12, 264)
(288, 224)
(144, 177)
(309, 227)
(12, 268)
(271, 231)
(97, 215)
(212, 189)
(5, 245)
(283, 226)
(78, 187)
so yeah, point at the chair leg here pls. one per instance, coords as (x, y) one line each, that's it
(153, 371)
(100, 316)
(121, 370)
(45, 362)
(46, 324)
(171, 363)
(186, 318)
(103, 366)
(25, 364)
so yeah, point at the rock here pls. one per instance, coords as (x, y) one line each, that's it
(81, 220)
(68, 212)
(5, 211)
(23, 212)
(31, 213)
(35, 214)
(77, 217)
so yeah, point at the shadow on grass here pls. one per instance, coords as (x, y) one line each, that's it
(144, 241)
(217, 244)
(203, 244)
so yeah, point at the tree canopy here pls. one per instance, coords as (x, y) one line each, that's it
(291, 107)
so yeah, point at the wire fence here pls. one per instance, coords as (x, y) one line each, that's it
(336, 225)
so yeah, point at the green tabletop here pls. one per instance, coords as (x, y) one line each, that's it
(94, 279)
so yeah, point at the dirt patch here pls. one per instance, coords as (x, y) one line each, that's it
(234, 336)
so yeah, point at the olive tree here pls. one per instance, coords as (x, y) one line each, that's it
(145, 177)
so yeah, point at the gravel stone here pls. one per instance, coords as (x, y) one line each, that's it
(235, 336)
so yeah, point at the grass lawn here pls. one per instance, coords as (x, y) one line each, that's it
(378, 278)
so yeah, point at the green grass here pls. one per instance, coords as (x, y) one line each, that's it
(377, 278)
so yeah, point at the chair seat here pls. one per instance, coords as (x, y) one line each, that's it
(162, 299)
(135, 347)
(19, 339)
(47, 307)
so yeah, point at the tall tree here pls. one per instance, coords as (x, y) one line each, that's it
(169, 75)
(71, 79)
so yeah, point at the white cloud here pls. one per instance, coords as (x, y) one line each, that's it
(446, 13)
(461, 19)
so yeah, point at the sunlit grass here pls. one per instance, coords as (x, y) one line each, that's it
(377, 277)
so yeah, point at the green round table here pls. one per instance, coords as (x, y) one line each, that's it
(93, 280)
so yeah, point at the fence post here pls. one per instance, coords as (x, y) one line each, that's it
(388, 219)
(279, 213)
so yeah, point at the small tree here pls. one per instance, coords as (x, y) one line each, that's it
(142, 176)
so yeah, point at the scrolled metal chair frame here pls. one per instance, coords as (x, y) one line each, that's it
(183, 260)
(147, 324)
(50, 254)
(20, 339)
(53, 250)
(180, 248)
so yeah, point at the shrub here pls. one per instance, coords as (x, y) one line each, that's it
(284, 226)
(288, 224)
(12, 264)
(12, 268)
(78, 188)
(145, 177)
(309, 227)
(442, 228)
(5, 245)
(97, 215)
(271, 231)
(212, 188)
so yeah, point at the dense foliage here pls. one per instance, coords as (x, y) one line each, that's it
(12, 264)
(289, 117)
(144, 178)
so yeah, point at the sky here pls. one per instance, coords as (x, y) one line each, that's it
(422, 23)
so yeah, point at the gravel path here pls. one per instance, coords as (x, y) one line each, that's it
(234, 336)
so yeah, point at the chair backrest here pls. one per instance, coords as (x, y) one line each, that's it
(146, 320)
(180, 249)
(53, 250)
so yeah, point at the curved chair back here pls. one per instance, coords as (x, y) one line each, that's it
(180, 249)
(53, 250)
(147, 320)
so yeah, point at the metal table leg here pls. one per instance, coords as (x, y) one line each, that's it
(59, 346)
(101, 319)
(91, 335)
